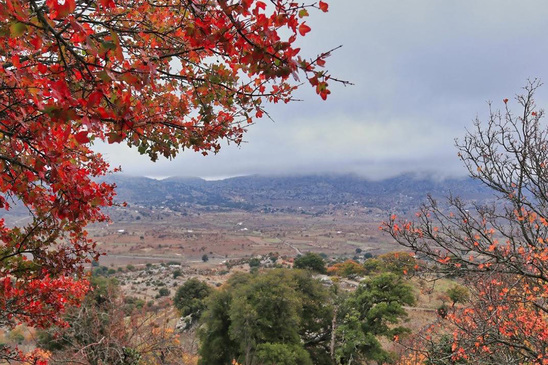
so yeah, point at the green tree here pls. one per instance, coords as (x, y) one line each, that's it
(458, 294)
(310, 261)
(163, 292)
(255, 262)
(282, 354)
(177, 273)
(401, 263)
(189, 298)
(374, 309)
(373, 266)
(274, 316)
(216, 345)
(287, 317)
(16, 335)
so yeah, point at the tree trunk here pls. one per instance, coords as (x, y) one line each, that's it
(333, 328)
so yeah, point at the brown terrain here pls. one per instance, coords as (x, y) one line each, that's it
(166, 236)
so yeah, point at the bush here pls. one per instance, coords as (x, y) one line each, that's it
(16, 335)
(254, 262)
(177, 273)
(163, 292)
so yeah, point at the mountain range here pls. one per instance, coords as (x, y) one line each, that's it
(271, 193)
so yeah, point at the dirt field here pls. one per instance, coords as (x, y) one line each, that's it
(138, 236)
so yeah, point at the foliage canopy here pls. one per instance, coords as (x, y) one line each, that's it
(271, 315)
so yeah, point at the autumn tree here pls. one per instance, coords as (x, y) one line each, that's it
(347, 269)
(105, 330)
(160, 76)
(499, 249)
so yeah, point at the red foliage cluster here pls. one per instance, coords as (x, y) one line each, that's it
(161, 76)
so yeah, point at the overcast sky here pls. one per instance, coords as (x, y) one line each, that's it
(422, 69)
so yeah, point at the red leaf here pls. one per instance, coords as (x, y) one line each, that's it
(107, 4)
(303, 29)
(323, 6)
(16, 61)
(81, 137)
(42, 68)
(94, 98)
(246, 3)
(324, 94)
(64, 9)
(36, 42)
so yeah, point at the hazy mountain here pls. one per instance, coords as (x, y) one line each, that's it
(291, 192)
